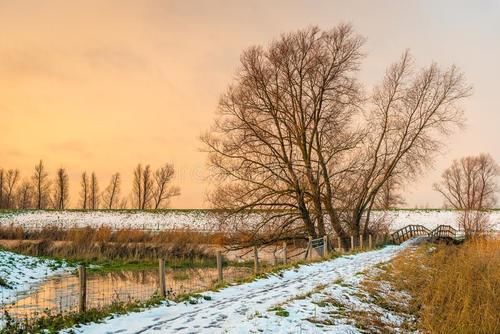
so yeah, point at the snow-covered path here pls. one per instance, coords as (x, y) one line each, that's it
(246, 308)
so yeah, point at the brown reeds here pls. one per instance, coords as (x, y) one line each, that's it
(456, 289)
(103, 243)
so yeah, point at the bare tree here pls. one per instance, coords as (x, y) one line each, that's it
(2, 181)
(412, 111)
(93, 192)
(112, 192)
(9, 187)
(137, 196)
(389, 196)
(123, 203)
(25, 195)
(41, 185)
(163, 191)
(84, 191)
(469, 185)
(61, 190)
(286, 138)
(147, 188)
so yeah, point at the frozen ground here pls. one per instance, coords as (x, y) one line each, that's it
(20, 273)
(295, 301)
(202, 220)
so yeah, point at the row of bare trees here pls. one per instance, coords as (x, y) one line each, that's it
(153, 190)
(298, 137)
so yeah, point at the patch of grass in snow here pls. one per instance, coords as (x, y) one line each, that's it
(279, 311)
(330, 301)
(191, 298)
(3, 283)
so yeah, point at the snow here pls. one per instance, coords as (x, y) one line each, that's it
(21, 273)
(203, 220)
(248, 308)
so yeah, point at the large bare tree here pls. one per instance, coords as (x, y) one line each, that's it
(112, 192)
(61, 190)
(163, 191)
(41, 185)
(295, 135)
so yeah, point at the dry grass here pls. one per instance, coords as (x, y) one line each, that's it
(104, 244)
(456, 289)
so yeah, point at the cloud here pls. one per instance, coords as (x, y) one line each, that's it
(72, 147)
(32, 61)
(115, 58)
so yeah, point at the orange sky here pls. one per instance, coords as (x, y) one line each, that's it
(103, 85)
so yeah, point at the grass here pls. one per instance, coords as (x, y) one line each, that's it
(279, 311)
(103, 244)
(4, 283)
(455, 289)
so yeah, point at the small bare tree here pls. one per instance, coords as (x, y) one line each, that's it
(163, 192)
(41, 185)
(2, 181)
(11, 179)
(61, 190)
(112, 192)
(137, 196)
(470, 184)
(25, 195)
(94, 192)
(390, 196)
(84, 191)
(147, 188)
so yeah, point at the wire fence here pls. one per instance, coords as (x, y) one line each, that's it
(76, 292)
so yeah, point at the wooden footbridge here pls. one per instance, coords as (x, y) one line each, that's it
(442, 232)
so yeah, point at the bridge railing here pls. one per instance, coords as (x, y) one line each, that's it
(409, 232)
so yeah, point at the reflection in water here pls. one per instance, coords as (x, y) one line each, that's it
(60, 295)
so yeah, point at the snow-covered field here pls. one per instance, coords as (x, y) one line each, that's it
(202, 220)
(282, 303)
(20, 273)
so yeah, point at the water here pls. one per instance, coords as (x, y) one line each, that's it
(60, 295)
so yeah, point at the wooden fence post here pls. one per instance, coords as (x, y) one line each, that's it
(256, 268)
(352, 243)
(370, 243)
(219, 267)
(360, 241)
(82, 273)
(325, 246)
(285, 255)
(163, 285)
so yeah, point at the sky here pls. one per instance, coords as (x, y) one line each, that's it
(103, 85)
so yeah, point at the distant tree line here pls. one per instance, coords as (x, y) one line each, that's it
(152, 189)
